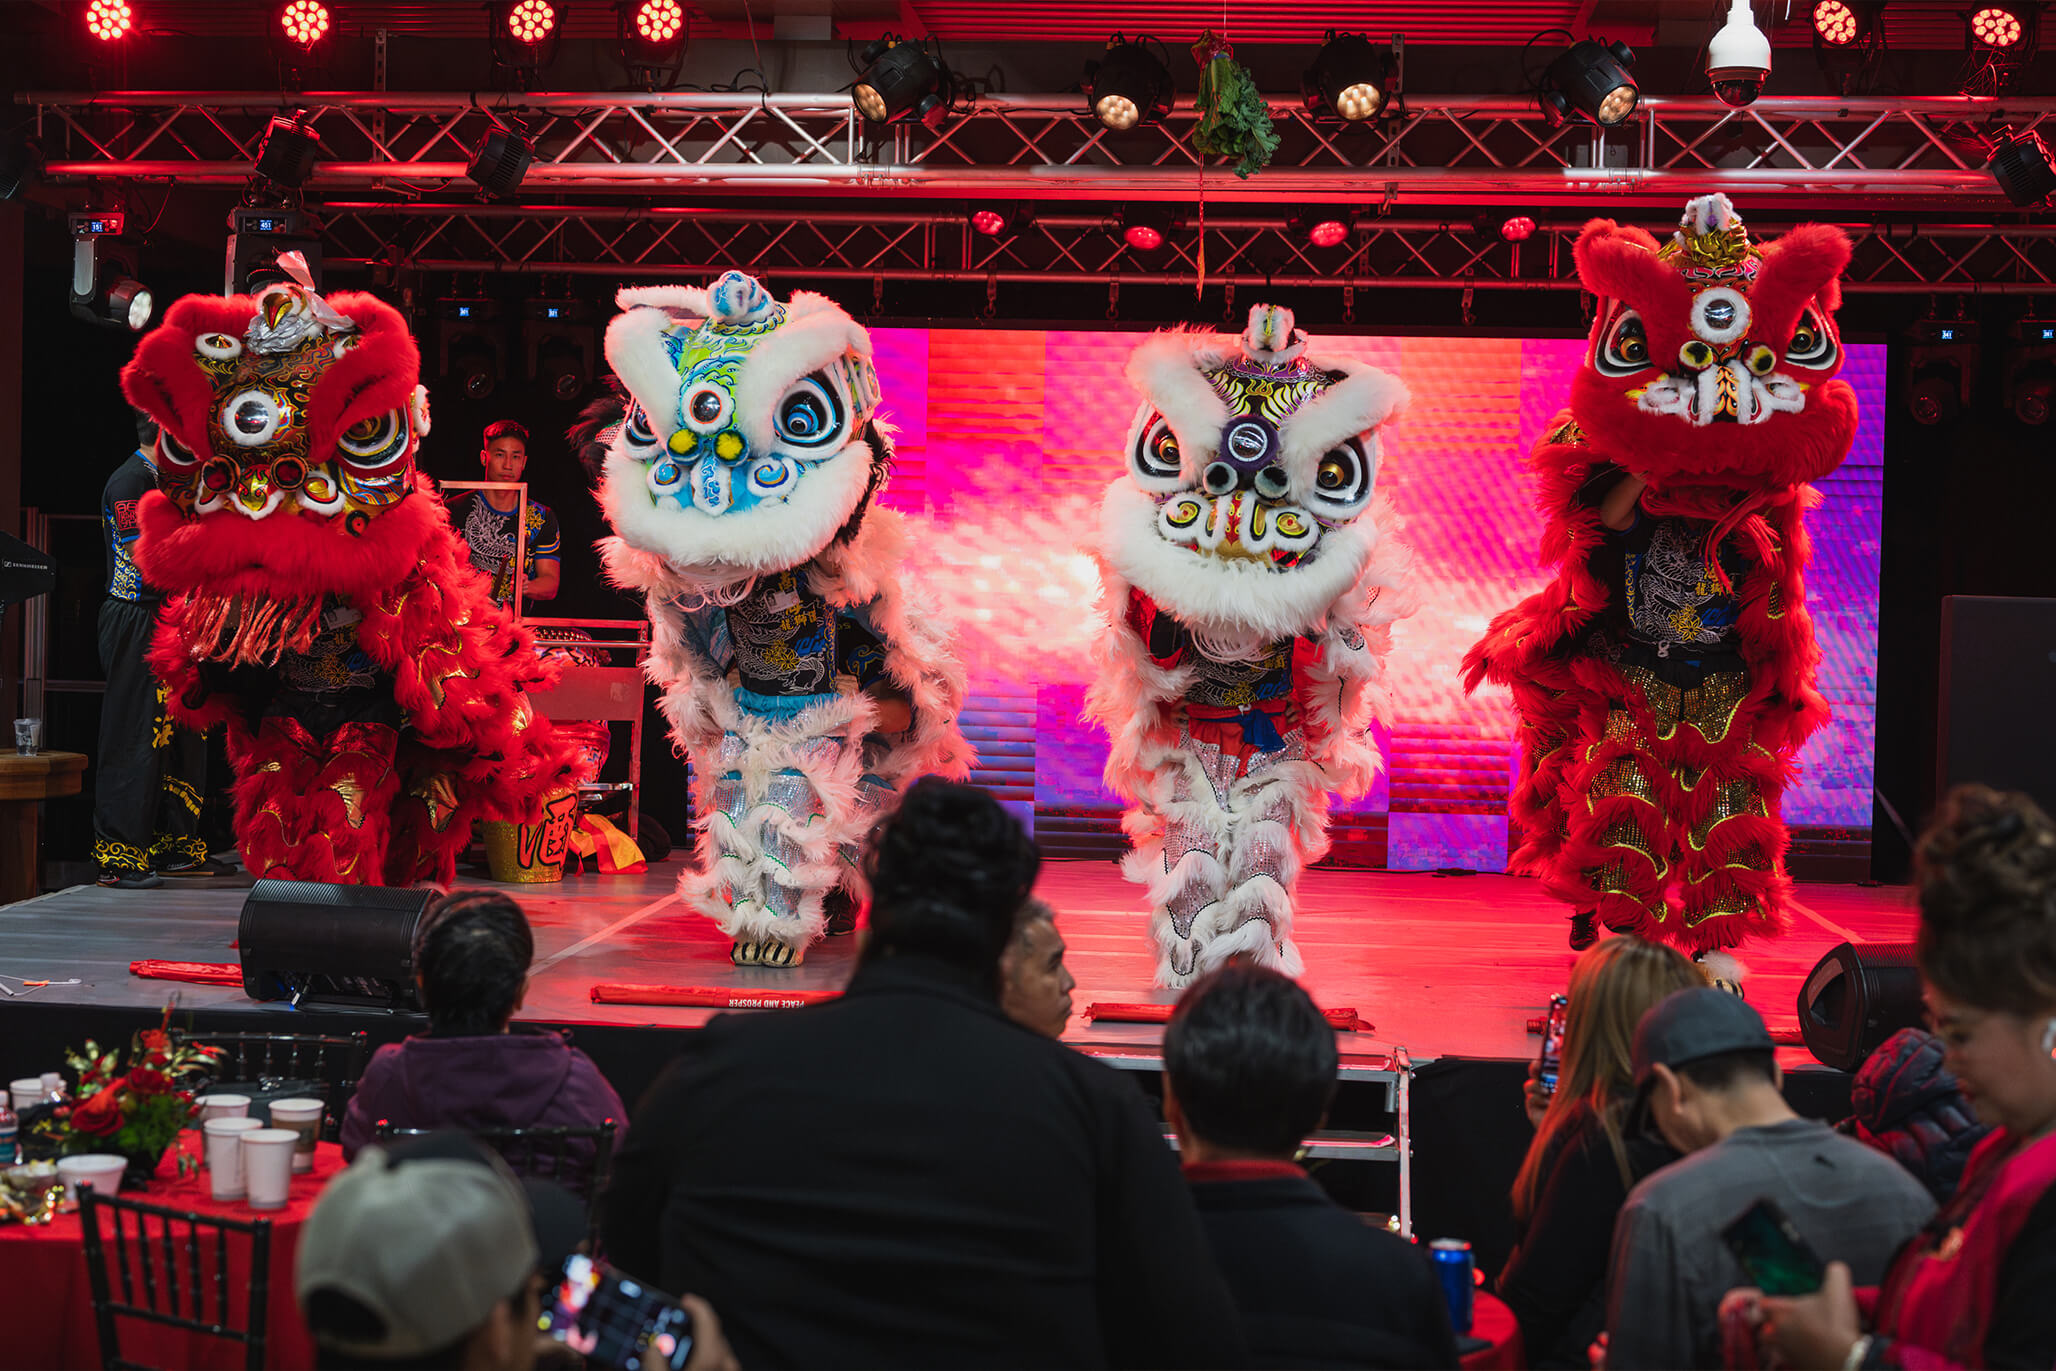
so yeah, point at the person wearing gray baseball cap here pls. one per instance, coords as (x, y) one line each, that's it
(431, 1253)
(1709, 1080)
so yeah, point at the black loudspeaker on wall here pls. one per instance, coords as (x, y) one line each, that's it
(331, 944)
(1856, 997)
(1998, 676)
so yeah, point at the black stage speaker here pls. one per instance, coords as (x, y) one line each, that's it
(331, 944)
(1995, 725)
(1856, 997)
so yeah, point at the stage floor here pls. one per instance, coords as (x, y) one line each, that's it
(1443, 966)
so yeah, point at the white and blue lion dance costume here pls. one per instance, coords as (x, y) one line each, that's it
(803, 678)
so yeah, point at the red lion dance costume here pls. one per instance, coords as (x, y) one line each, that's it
(1665, 678)
(319, 603)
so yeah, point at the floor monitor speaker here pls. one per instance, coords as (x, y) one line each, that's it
(1856, 997)
(331, 944)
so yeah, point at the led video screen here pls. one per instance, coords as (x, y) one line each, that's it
(1006, 440)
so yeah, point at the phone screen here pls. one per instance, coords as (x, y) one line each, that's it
(1552, 1042)
(614, 1321)
(1773, 1252)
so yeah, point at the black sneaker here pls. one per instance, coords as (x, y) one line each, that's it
(1584, 929)
(130, 880)
(206, 866)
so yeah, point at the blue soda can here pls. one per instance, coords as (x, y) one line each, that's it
(1454, 1268)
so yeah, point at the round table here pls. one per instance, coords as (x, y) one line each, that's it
(43, 1271)
(1493, 1324)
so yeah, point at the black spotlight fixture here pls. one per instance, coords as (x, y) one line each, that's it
(1130, 86)
(501, 160)
(998, 220)
(2024, 170)
(522, 35)
(104, 288)
(288, 151)
(1590, 80)
(1941, 368)
(2030, 389)
(2000, 39)
(1350, 79)
(902, 82)
(654, 34)
(557, 334)
(469, 339)
(1849, 42)
(1145, 228)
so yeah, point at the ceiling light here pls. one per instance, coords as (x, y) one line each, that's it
(288, 151)
(1130, 86)
(531, 21)
(1738, 57)
(654, 34)
(1145, 228)
(1320, 228)
(1590, 80)
(104, 288)
(998, 221)
(523, 35)
(2003, 27)
(303, 23)
(109, 20)
(1835, 23)
(902, 81)
(1348, 79)
(1518, 228)
(500, 161)
(2024, 170)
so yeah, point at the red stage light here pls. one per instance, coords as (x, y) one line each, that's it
(1835, 22)
(658, 21)
(1326, 233)
(109, 19)
(989, 222)
(1143, 237)
(1995, 27)
(305, 22)
(1518, 229)
(531, 20)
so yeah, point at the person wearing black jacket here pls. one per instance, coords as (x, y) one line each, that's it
(905, 1177)
(1249, 1071)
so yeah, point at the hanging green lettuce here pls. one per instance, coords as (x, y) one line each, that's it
(1234, 121)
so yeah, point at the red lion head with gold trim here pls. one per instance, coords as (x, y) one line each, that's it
(1713, 360)
(285, 460)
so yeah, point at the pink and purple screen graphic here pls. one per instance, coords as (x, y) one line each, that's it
(1007, 439)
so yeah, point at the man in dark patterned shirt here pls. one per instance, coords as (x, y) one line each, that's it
(148, 775)
(484, 519)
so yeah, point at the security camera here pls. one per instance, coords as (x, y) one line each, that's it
(1738, 58)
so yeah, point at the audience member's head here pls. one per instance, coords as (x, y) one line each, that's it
(1249, 1066)
(472, 949)
(1707, 1066)
(427, 1253)
(146, 429)
(950, 871)
(1034, 984)
(1612, 986)
(504, 453)
(1987, 876)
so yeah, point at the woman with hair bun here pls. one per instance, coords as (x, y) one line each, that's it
(1584, 1159)
(1973, 1289)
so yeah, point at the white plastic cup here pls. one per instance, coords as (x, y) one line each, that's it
(223, 1106)
(26, 1093)
(268, 1166)
(304, 1118)
(225, 1154)
(100, 1171)
(53, 1085)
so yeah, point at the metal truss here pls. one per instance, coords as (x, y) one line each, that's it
(1908, 154)
(917, 244)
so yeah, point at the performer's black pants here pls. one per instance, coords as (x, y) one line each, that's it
(146, 796)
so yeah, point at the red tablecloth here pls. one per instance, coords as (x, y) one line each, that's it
(43, 1272)
(1494, 1323)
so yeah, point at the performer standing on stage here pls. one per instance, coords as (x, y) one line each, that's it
(321, 606)
(149, 774)
(804, 678)
(1249, 587)
(1665, 678)
(484, 519)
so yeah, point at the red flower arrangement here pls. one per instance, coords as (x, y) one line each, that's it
(135, 1108)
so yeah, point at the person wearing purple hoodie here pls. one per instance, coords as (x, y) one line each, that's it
(472, 951)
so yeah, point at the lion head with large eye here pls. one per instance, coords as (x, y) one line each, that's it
(1712, 359)
(288, 424)
(749, 443)
(1251, 467)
